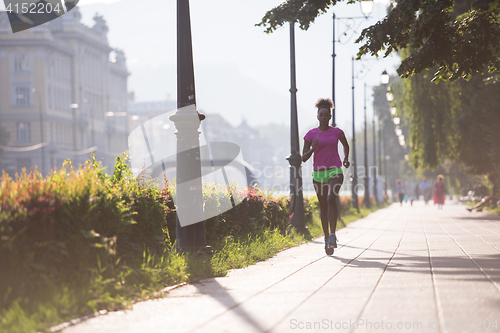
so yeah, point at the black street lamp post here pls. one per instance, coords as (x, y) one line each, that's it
(334, 124)
(386, 175)
(367, 176)
(375, 170)
(189, 227)
(385, 80)
(381, 155)
(355, 203)
(295, 159)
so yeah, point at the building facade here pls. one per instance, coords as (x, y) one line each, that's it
(63, 94)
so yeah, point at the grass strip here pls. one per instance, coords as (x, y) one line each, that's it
(157, 271)
(231, 253)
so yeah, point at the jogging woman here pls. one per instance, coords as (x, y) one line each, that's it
(327, 168)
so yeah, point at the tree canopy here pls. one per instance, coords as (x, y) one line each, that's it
(453, 121)
(460, 38)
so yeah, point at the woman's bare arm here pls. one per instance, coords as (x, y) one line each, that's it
(346, 163)
(308, 150)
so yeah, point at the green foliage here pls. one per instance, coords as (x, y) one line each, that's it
(121, 170)
(67, 238)
(256, 210)
(453, 121)
(460, 39)
(79, 241)
(302, 11)
(429, 109)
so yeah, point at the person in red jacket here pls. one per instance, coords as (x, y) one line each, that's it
(439, 191)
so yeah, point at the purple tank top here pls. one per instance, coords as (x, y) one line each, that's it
(326, 155)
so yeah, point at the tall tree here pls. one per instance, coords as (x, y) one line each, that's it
(461, 38)
(456, 121)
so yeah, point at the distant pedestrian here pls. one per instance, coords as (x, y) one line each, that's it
(400, 190)
(327, 168)
(439, 191)
(417, 194)
(425, 189)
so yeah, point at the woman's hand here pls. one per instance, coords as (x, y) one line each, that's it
(315, 144)
(346, 164)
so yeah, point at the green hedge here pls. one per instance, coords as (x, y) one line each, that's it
(78, 241)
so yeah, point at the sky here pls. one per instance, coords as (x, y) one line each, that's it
(241, 72)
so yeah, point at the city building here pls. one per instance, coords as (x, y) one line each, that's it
(63, 93)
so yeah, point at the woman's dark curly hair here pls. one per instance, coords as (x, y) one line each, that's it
(324, 103)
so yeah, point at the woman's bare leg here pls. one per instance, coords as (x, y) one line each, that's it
(322, 194)
(333, 192)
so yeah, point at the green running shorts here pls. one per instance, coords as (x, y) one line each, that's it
(323, 176)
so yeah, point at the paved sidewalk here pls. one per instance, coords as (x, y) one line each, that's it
(401, 269)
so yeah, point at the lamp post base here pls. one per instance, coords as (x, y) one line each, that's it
(298, 217)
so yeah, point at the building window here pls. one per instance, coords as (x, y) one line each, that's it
(21, 64)
(23, 163)
(23, 96)
(23, 132)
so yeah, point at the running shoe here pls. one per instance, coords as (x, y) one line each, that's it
(333, 240)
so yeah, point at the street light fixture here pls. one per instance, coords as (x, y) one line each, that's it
(389, 96)
(385, 77)
(366, 7)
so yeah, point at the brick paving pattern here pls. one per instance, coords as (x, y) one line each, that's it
(401, 269)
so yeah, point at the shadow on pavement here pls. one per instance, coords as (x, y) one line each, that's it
(454, 266)
(220, 294)
(479, 217)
